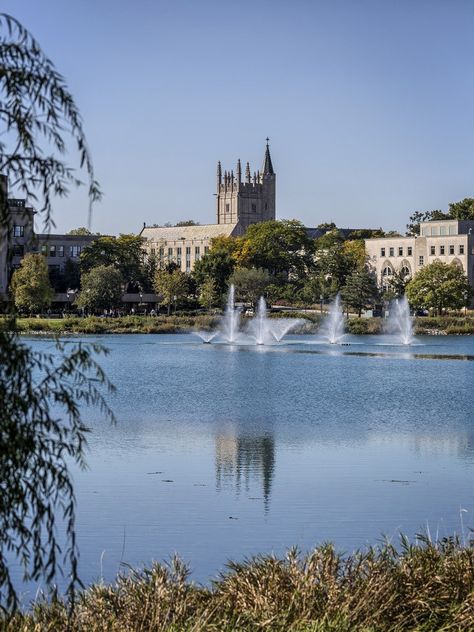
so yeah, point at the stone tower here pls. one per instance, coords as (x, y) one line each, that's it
(249, 200)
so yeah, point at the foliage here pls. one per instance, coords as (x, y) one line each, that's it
(250, 284)
(187, 222)
(354, 250)
(30, 286)
(40, 121)
(218, 264)
(462, 210)
(396, 285)
(150, 266)
(172, 286)
(281, 247)
(125, 253)
(360, 291)
(38, 118)
(79, 231)
(421, 587)
(36, 444)
(102, 288)
(209, 295)
(439, 286)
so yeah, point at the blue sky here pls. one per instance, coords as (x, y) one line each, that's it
(369, 104)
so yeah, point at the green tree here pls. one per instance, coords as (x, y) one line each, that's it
(218, 264)
(102, 288)
(360, 291)
(396, 285)
(79, 231)
(281, 247)
(41, 394)
(250, 284)
(172, 286)
(462, 210)
(209, 295)
(30, 286)
(126, 253)
(439, 286)
(187, 222)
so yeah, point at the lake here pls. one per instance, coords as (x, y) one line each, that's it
(221, 452)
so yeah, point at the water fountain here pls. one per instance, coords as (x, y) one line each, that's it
(333, 326)
(267, 330)
(229, 327)
(400, 321)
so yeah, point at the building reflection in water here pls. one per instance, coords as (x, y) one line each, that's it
(245, 460)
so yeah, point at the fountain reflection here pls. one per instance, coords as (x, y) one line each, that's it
(242, 460)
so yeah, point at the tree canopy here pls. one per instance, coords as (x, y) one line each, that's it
(172, 285)
(101, 288)
(439, 286)
(250, 284)
(30, 286)
(218, 264)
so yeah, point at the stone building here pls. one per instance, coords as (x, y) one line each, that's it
(449, 241)
(241, 201)
(21, 239)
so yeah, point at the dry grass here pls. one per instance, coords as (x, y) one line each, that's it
(424, 587)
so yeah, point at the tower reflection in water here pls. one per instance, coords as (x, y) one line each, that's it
(245, 462)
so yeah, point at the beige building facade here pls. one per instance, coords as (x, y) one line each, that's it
(449, 241)
(240, 202)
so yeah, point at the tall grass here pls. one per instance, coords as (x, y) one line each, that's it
(422, 587)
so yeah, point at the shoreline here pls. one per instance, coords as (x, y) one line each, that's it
(187, 323)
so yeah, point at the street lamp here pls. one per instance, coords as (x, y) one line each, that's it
(321, 298)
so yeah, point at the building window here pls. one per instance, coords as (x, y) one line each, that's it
(387, 271)
(161, 253)
(254, 207)
(206, 249)
(441, 250)
(409, 251)
(227, 208)
(443, 230)
(400, 252)
(44, 250)
(18, 250)
(425, 231)
(451, 250)
(60, 251)
(18, 231)
(432, 250)
(421, 261)
(152, 252)
(75, 251)
(382, 252)
(179, 251)
(52, 251)
(188, 265)
(188, 252)
(170, 253)
(434, 231)
(452, 229)
(391, 252)
(461, 249)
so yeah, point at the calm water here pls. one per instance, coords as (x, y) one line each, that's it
(222, 452)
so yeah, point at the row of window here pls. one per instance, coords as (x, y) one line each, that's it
(179, 252)
(391, 251)
(60, 251)
(435, 231)
(442, 250)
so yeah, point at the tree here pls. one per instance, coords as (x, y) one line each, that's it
(218, 264)
(102, 288)
(209, 295)
(281, 247)
(187, 222)
(360, 291)
(396, 285)
(30, 286)
(40, 417)
(125, 253)
(354, 250)
(439, 286)
(250, 284)
(79, 231)
(172, 286)
(462, 210)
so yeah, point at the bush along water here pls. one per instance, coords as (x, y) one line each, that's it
(421, 587)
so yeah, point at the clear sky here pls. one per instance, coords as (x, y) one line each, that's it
(369, 104)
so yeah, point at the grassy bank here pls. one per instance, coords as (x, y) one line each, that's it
(184, 323)
(424, 588)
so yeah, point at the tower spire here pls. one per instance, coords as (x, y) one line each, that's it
(267, 169)
(219, 173)
(239, 172)
(248, 177)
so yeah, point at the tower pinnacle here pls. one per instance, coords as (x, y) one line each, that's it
(267, 169)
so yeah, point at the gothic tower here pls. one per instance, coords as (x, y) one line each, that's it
(249, 200)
